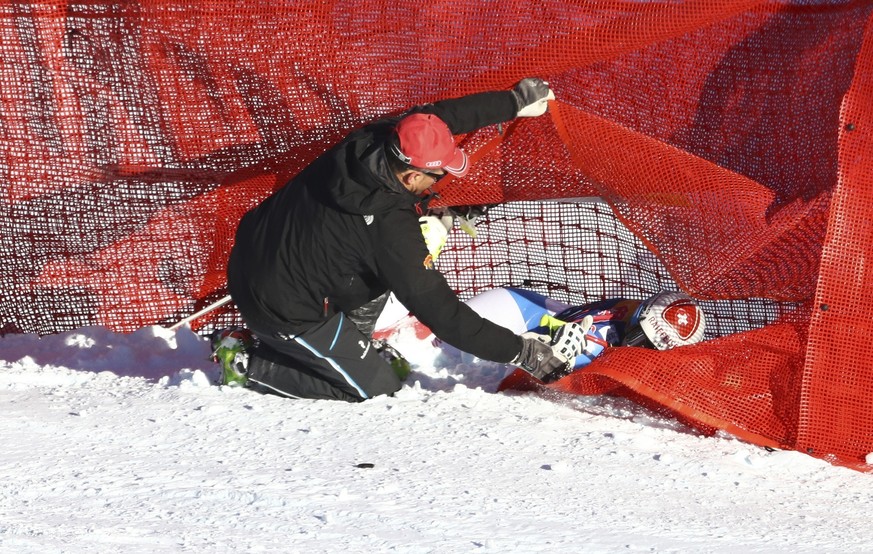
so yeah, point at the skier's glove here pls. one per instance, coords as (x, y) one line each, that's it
(532, 97)
(538, 358)
(569, 341)
(550, 359)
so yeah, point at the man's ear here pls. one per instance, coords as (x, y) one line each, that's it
(407, 178)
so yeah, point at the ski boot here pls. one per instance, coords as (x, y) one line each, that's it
(230, 349)
(397, 362)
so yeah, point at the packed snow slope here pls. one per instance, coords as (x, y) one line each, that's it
(121, 443)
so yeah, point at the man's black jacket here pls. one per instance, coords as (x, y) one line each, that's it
(345, 230)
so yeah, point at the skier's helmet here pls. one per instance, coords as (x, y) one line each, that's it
(665, 321)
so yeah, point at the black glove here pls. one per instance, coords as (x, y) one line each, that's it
(538, 358)
(550, 359)
(531, 97)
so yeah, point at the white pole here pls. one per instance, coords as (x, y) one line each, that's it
(215, 305)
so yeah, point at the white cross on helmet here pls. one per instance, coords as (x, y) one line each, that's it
(671, 319)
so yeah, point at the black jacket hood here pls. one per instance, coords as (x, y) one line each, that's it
(361, 181)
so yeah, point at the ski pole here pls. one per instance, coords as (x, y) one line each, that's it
(215, 305)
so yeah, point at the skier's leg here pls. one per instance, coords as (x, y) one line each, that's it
(331, 360)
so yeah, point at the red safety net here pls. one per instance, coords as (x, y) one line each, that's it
(729, 143)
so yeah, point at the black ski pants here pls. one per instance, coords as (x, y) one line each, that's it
(331, 360)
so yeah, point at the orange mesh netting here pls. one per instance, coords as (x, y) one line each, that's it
(728, 142)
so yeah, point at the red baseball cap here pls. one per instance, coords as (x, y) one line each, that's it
(424, 141)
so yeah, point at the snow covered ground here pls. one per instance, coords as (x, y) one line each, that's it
(119, 443)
